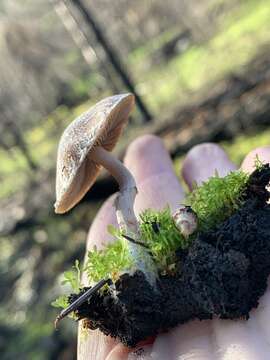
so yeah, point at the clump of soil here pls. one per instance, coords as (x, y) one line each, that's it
(224, 272)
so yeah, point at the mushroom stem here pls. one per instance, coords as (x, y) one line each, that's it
(124, 209)
(127, 186)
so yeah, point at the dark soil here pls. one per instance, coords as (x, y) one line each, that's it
(223, 273)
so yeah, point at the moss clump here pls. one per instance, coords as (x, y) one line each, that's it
(157, 232)
(108, 262)
(100, 264)
(162, 237)
(218, 198)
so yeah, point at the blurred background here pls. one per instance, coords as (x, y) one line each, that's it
(200, 71)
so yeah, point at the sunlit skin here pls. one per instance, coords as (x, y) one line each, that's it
(158, 185)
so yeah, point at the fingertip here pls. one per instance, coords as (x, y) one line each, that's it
(159, 191)
(203, 160)
(147, 156)
(151, 165)
(263, 153)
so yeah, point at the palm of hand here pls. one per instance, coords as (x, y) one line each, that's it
(157, 186)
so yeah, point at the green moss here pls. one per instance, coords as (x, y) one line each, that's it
(216, 199)
(108, 262)
(61, 302)
(163, 238)
(259, 165)
(73, 279)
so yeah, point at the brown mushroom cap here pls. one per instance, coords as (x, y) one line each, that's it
(101, 125)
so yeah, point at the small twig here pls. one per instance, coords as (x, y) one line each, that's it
(74, 306)
(135, 241)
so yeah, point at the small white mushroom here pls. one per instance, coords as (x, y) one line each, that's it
(84, 147)
(185, 220)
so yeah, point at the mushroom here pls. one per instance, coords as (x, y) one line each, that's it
(84, 147)
(185, 219)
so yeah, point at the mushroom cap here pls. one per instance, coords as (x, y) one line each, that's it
(101, 125)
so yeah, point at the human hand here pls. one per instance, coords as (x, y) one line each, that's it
(158, 186)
